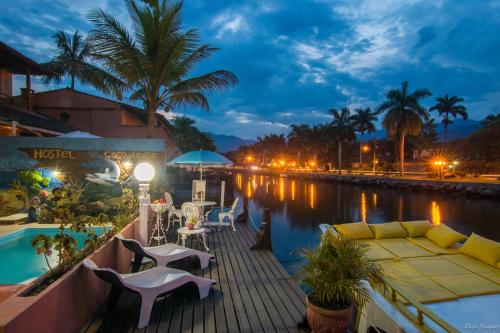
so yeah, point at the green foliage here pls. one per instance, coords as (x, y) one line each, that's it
(448, 108)
(43, 245)
(404, 114)
(338, 272)
(155, 58)
(73, 59)
(189, 138)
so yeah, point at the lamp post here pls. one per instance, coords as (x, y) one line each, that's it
(144, 172)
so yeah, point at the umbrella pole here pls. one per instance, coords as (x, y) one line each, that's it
(201, 171)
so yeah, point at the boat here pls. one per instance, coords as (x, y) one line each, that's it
(414, 302)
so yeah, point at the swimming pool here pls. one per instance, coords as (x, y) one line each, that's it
(19, 262)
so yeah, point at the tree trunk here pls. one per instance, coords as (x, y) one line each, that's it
(340, 157)
(151, 121)
(402, 153)
(73, 82)
(361, 149)
(445, 133)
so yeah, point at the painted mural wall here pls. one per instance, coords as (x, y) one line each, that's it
(33, 168)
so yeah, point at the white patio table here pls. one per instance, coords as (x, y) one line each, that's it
(183, 233)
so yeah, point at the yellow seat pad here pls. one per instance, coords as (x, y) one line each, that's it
(467, 284)
(375, 251)
(492, 276)
(432, 247)
(402, 248)
(471, 264)
(424, 290)
(435, 266)
(399, 269)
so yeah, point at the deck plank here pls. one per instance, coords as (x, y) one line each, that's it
(254, 293)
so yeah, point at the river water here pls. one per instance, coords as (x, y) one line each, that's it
(299, 206)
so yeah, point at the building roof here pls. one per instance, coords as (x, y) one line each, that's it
(138, 112)
(11, 113)
(17, 63)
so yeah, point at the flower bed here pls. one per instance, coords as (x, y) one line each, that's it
(68, 303)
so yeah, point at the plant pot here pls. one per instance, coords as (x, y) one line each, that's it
(190, 226)
(328, 321)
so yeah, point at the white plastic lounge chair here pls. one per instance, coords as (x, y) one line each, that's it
(229, 215)
(162, 255)
(173, 212)
(150, 284)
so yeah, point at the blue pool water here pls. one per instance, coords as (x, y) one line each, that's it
(18, 259)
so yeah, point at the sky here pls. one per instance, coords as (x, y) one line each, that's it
(297, 59)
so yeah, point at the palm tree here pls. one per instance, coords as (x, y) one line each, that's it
(154, 58)
(342, 129)
(447, 107)
(300, 140)
(404, 115)
(363, 122)
(189, 138)
(74, 53)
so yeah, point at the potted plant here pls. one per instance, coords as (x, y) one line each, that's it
(191, 223)
(337, 274)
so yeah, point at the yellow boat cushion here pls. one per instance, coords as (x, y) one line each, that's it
(434, 266)
(484, 249)
(467, 284)
(358, 230)
(444, 236)
(399, 269)
(469, 263)
(424, 290)
(416, 228)
(432, 247)
(402, 248)
(388, 230)
(375, 251)
(492, 276)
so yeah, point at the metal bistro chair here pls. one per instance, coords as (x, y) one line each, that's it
(173, 212)
(229, 214)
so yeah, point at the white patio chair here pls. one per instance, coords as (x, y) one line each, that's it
(229, 214)
(150, 284)
(164, 254)
(198, 190)
(173, 212)
(190, 211)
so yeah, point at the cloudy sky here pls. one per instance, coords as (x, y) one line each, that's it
(297, 59)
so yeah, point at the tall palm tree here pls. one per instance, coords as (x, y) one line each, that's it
(300, 140)
(447, 108)
(363, 123)
(404, 115)
(73, 59)
(155, 57)
(342, 129)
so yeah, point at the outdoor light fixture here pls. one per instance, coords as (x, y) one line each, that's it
(56, 174)
(127, 164)
(144, 172)
(366, 148)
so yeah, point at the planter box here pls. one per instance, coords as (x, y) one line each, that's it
(68, 303)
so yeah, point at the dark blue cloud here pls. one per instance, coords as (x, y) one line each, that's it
(295, 60)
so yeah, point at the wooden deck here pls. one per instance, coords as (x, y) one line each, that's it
(254, 294)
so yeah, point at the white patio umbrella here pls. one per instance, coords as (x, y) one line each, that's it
(201, 158)
(79, 134)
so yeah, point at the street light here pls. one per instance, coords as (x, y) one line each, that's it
(144, 172)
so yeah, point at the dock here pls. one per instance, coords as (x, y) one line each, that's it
(254, 293)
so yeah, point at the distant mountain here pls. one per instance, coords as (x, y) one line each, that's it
(458, 129)
(225, 143)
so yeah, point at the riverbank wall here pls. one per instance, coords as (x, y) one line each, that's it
(467, 187)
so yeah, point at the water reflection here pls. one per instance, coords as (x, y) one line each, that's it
(299, 206)
(312, 195)
(363, 207)
(435, 213)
